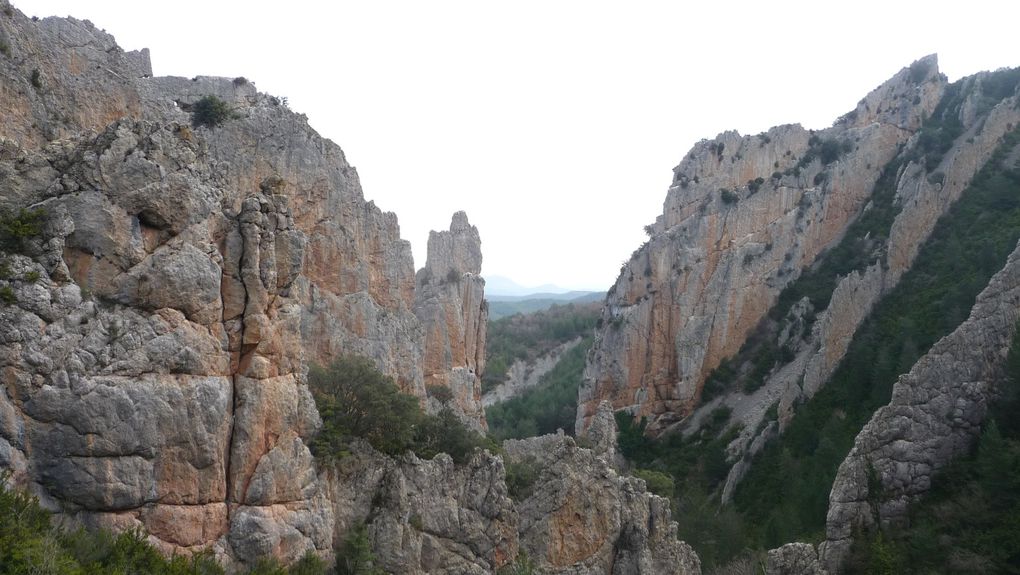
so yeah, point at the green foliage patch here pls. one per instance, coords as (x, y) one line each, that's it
(529, 336)
(210, 111)
(17, 228)
(355, 556)
(785, 495)
(356, 400)
(549, 406)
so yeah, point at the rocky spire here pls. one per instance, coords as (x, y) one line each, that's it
(450, 303)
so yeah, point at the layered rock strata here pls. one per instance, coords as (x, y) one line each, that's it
(743, 218)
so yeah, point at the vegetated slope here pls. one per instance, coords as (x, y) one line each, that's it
(784, 497)
(970, 521)
(526, 337)
(549, 406)
(30, 542)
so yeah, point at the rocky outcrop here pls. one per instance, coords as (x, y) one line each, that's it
(935, 415)
(582, 517)
(450, 303)
(523, 375)
(577, 516)
(426, 516)
(924, 194)
(154, 335)
(794, 559)
(743, 218)
(153, 357)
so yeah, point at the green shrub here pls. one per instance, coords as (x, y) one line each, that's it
(32, 276)
(210, 112)
(16, 229)
(30, 543)
(35, 79)
(355, 399)
(728, 197)
(522, 565)
(446, 433)
(521, 477)
(657, 482)
(355, 556)
(7, 295)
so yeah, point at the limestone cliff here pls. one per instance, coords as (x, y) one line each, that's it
(155, 333)
(449, 302)
(924, 194)
(744, 217)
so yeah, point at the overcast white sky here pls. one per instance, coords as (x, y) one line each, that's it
(554, 123)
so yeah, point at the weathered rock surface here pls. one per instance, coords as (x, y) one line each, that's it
(450, 303)
(744, 217)
(935, 415)
(427, 516)
(153, 375)
(794, 559)
(923, 196)
(152, 365)
(582, 517)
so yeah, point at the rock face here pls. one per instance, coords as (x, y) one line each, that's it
(743, 218)
(154, 334)
(582, 517)
(449, 302)
(579, 516)
(935, 415)
(153, 373)
(924, 194)
(794, 559)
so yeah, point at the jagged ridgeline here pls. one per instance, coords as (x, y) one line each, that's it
(792, 279)
(179, 260)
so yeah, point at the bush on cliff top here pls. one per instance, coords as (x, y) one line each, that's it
(356, 400)
(210, 112)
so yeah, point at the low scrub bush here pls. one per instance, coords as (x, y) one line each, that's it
(356, 400)
(210, 111)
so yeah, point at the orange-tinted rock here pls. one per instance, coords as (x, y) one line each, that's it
(744, 217)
